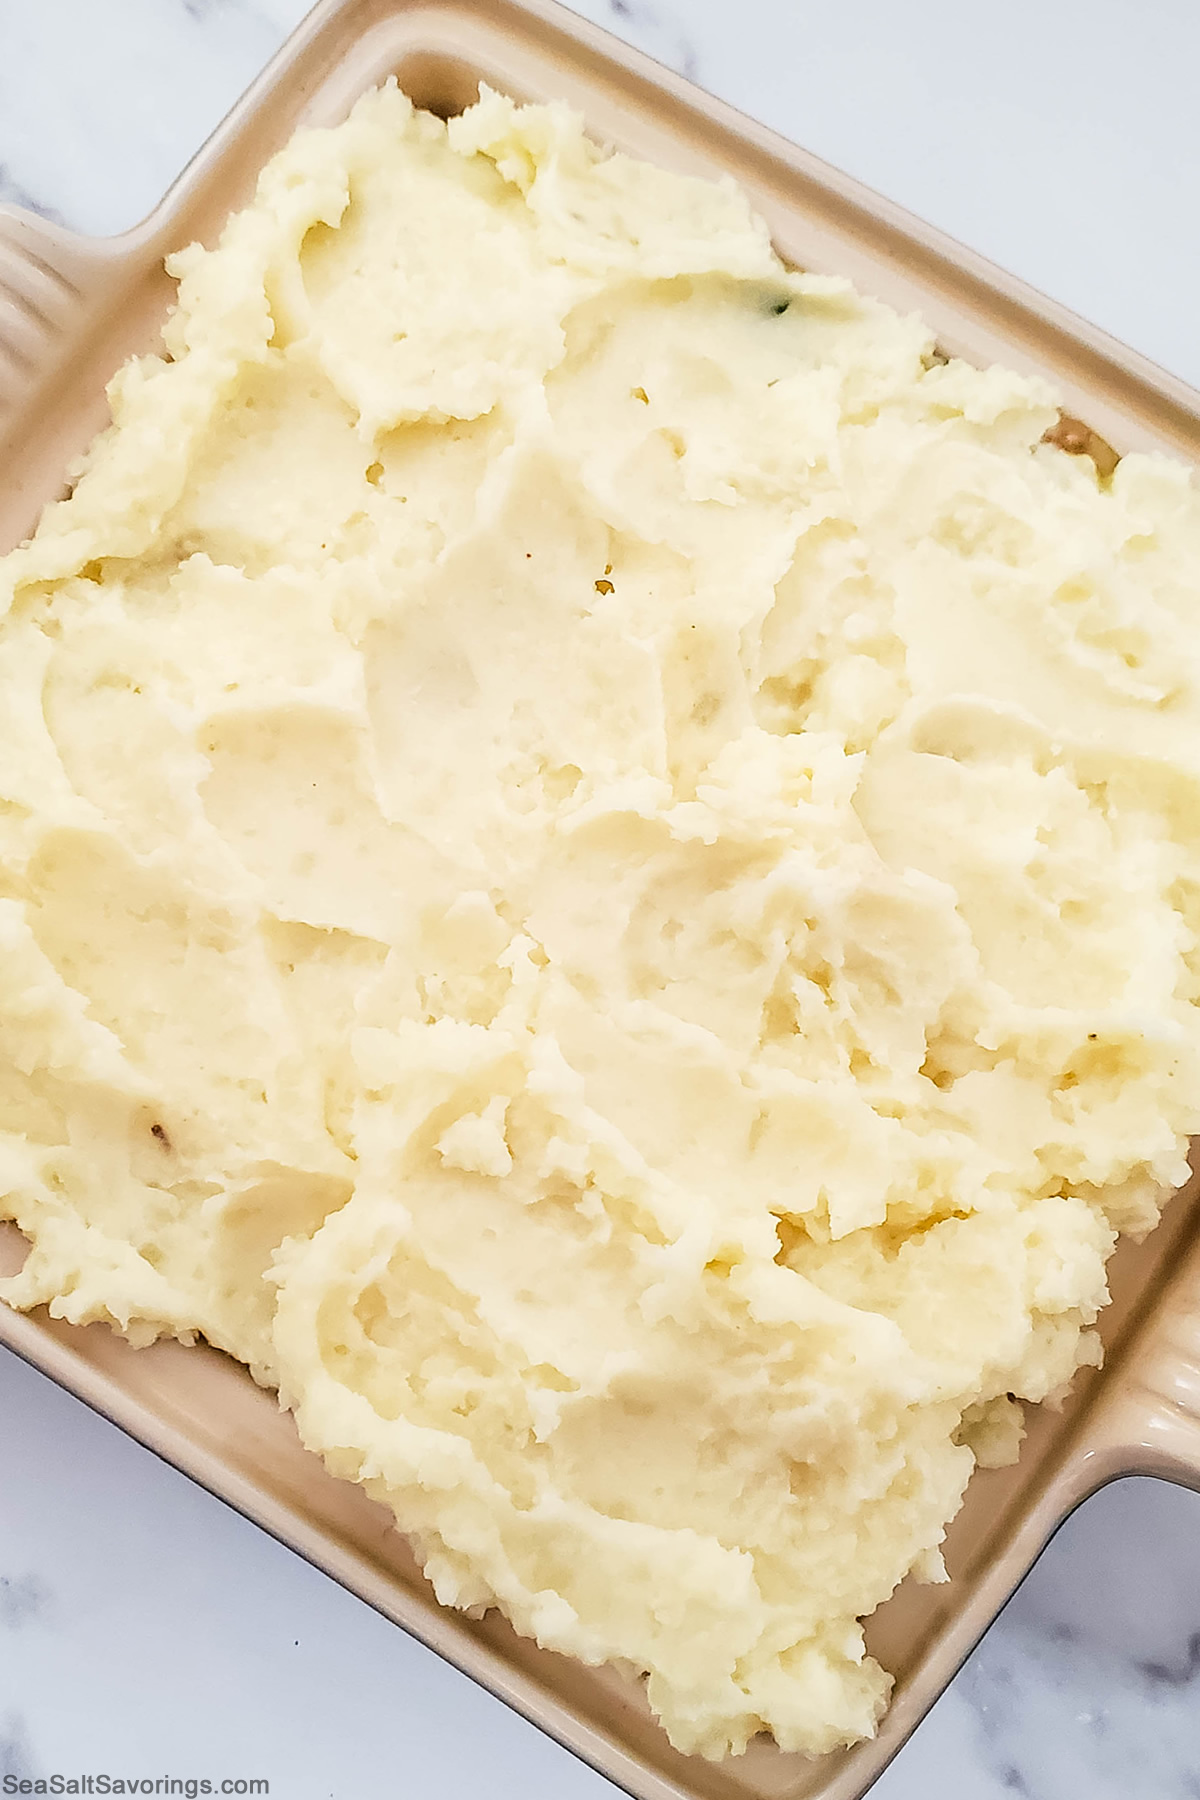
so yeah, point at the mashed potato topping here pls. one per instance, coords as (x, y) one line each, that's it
(599, 878)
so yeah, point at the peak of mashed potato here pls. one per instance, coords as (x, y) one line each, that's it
(600, 880)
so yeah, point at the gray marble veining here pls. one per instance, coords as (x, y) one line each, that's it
(15, 1758)
(22, 1597)
(660, 30)
(13, 194)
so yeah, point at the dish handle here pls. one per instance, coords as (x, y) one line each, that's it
(50, 279)
(1148, 1422)
(58, 293)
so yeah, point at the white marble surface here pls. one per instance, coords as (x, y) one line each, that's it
(147, 1630)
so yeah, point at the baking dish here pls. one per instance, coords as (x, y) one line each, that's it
(71, 311)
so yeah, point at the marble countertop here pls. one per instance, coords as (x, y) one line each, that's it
(148, 1631)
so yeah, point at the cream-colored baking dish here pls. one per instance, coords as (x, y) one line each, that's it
(71, 309)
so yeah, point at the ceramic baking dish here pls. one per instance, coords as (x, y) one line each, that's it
(71, 309)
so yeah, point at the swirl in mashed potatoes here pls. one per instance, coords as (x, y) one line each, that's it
(599, 879)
